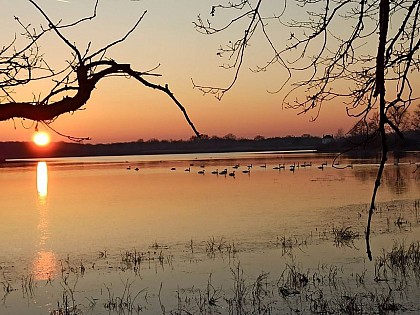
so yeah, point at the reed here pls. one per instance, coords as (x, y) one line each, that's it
(126, 303)
(344, 236)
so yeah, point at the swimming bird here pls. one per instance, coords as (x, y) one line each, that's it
(201, 172)
(236, 166)
(264, 165)
(232, 174)
(136, 169)
(216, 171)
(250, 165)
(173, 169)
(247, 171)
(224, 172)
(188, 169)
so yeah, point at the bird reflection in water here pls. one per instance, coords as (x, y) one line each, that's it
(45, 262)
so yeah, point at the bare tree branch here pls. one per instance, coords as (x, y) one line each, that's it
(73, 83)
(329, 58)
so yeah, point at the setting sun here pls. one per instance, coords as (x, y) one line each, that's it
(41, 138)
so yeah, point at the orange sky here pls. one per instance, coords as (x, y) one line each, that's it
(124, 110)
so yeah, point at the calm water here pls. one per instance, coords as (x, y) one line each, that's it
(81, 207)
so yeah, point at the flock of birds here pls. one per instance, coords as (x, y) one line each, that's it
(247, 169)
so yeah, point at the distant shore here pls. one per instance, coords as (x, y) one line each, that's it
(19, 150)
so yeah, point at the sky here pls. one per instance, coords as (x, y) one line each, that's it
(122, 110)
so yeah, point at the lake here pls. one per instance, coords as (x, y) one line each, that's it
(164, 234)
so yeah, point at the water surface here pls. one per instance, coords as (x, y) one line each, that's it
(84, 206)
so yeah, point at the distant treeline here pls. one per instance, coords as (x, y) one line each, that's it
(13, 150)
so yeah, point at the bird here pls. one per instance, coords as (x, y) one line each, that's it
(224, 172)
(129, 167)
(173, 169)
(188, 169)
(216, 171)
(201, 172)
(264, 165)
(247, 171)
(236, 166)
(136, 169)
(232, 174)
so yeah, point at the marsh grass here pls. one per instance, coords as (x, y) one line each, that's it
(400, 262)
(136, 260)
(292, 280)
(126, 303)
(344, 236)
(323, 289)
(28, 285)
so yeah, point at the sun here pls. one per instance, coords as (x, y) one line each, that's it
(41, 138)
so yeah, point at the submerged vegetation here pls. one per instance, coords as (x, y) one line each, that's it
(139, 281)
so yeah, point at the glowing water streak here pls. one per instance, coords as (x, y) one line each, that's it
(45, 262)
(42, 179)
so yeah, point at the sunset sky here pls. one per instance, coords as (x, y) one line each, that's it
(123, 110)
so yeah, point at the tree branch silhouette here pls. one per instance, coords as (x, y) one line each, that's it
(74, 83)
(329, 57)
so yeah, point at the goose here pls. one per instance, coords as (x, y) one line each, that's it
(215, 171)
(247, 171)
(201, 172)
(224, 172)
(232, 174)
(188, 169)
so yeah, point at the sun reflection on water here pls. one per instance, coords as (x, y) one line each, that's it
(42, 179)
(45, 262)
